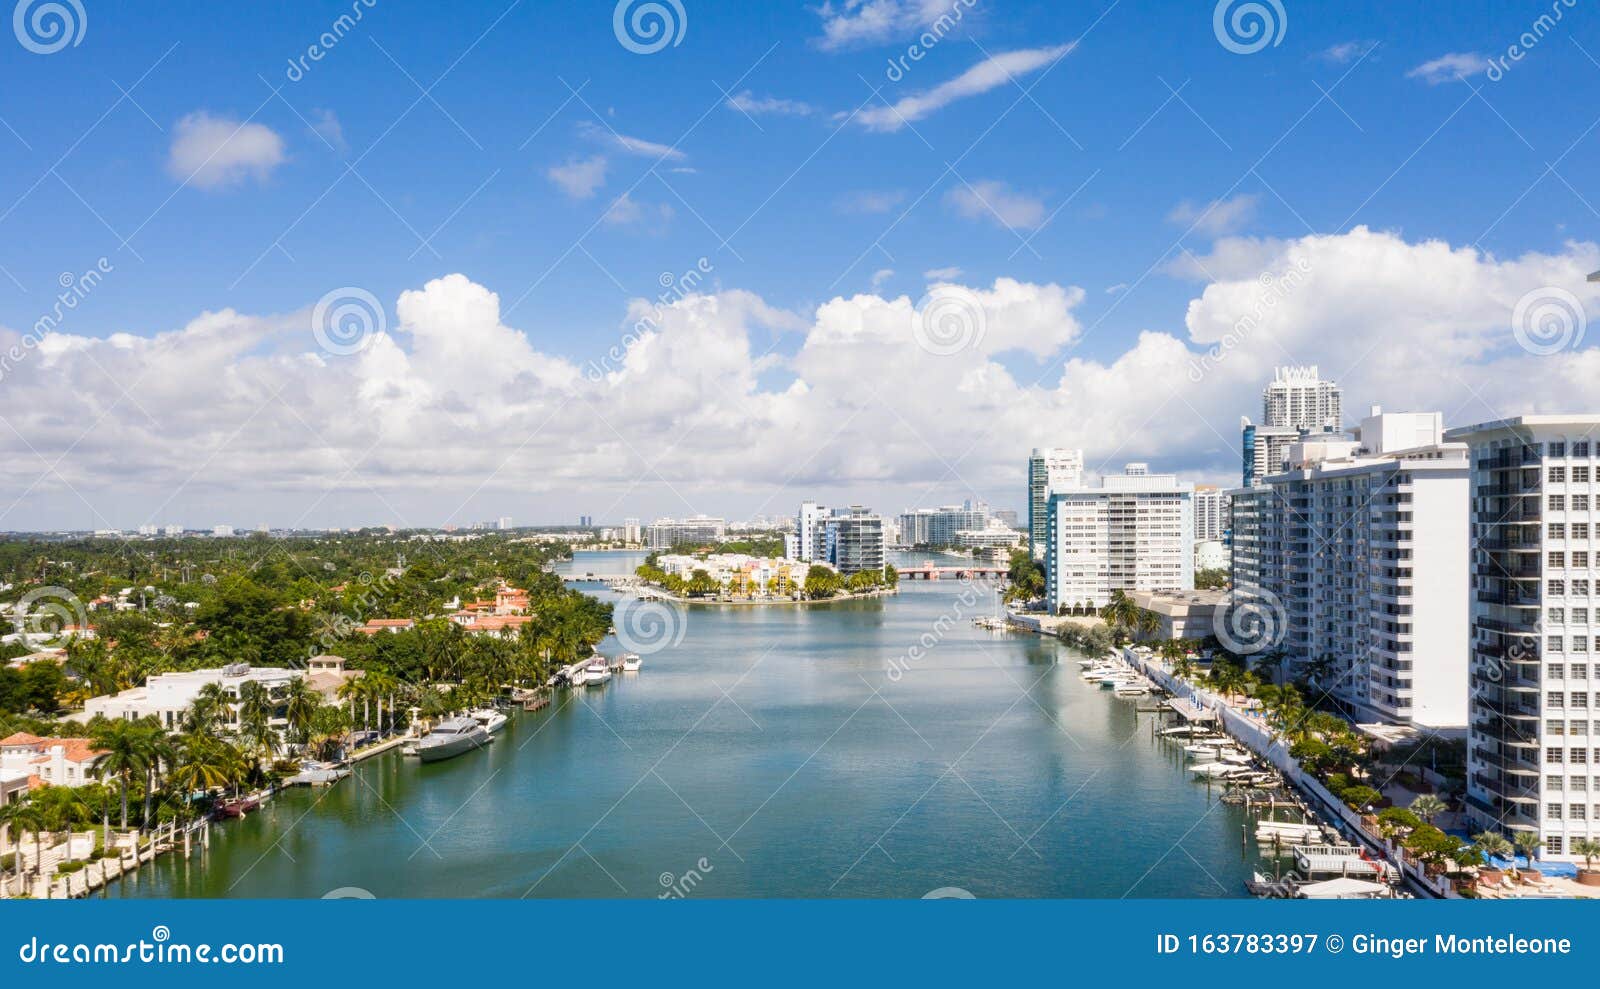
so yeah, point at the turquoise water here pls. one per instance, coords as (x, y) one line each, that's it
(771, 753)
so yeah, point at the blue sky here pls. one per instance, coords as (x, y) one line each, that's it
(1091, 168)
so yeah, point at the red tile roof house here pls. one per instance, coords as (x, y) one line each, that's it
(376, 625)
(51, 761)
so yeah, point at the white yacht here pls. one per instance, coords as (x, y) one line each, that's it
(631, 661)
(491, 720)
(595, 674)
(450, 738)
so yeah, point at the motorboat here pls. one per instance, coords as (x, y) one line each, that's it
(451, 737)
(1219, 770)
(595, 674)
(631, 662)
(236, 807)
(491, 719)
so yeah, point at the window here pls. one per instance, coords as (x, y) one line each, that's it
(1580, 783)
(1556, 588)
(1556, 530)
(1557, 475)
(1580, 530)
(1557, 616)
(1553, 727)
(1556, 560)
(1576, 812)
(1580, 671)
(1580, 475)
(1579, 699)
(1578, 757)
(1580, 588)
(1552, 756)
(1580, 448)
(1552, 845)
(1580, 503)
(1552, 811)
(1552, 782)
(1553, 699)
(1580, 560)
(1558, 503)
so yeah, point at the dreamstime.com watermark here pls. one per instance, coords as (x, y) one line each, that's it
(645, 27)
(965, 603)
(328, 40)
(674, 288)
(74, 289)
(342, 625)
(1528, 40)
(1247, 27)
(159, 950)
(679, 887)
(1548, 320)
(928, 40)
(45, 27)
(1274, 289)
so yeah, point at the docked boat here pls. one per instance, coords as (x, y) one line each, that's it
(491, 719)
(595, 674)
(236, 807)
(452, 737)
(1220, 770)
(631, 662)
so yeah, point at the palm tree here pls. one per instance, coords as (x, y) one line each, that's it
(1589, 848)
(1148, 624)
(125, 754)
(300, 702)
(1528, 844)
(1493, 845)
(1428, 806)
(1121, 613)
(29, 817)
(11, 817)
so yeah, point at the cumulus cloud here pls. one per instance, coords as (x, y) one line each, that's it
(579, 178)
(749, 103)
(1346, 51)
(942, 274)
(1449, 68)
(996, 202)
(325, 124)
(996, 70)
(1220, 216)
(719, 400)
(212, 152)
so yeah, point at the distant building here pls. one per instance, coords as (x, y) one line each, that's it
(855, 540)
(1210, 554)
(940, 526)
(1049, 469)
(1181, 614)
(504, 522)
(1210, 513)
(48, 761)
(222, 531)
(631, 531)
(1134, 532)
(697, 529)
(167, 697)
(1297, 401)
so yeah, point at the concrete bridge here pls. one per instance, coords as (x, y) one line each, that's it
(929, 571)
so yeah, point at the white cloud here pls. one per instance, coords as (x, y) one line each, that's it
(579, 178)
(942, 274)
(881, 276)
(627, 211)
(276, 428)
(857, 23)
(1346, 51)
(1449, 68)
(1117, 289)
(325, 124)
(871, 201)
(755, 106)
(993, 71)
(212, 152)
(630, 145)
(996, 202)
(1218, 217)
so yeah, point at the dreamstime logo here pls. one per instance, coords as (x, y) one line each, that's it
(46, 28)
(49, 611)
(948, 893)
(928, 40)
(1250, 624)
(1275, 288)
(967, 599)
(1248, 27)
(948, 320)
(646, 627)
(1548, 320)
(1530, 39)
(650, 25)
(345, 320)
(349, 893)
(75, 288)
(679, 887)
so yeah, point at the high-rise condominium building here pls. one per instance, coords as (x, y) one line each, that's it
(1049, 469)
(1210, 513)
(1533, 751)
(631, 532)
(1298, 397)
(1356, 555)
(1135, 532)
(1295, 402)
(939, 526)
(698, 529)
(807, 543)
(855, 540)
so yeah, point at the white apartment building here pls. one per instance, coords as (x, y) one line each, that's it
(667, 533)
(631, 531)
(1049, 469)
(1298, 397)
(168, 696)
(1358, 552)
(1135, 532)
(1533, 754)
(941, 526)
(807, 543)
(1210, 513)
